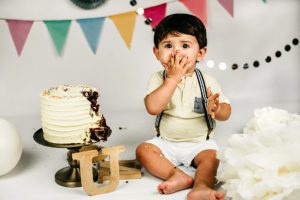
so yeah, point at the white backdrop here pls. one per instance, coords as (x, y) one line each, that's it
(257, 30)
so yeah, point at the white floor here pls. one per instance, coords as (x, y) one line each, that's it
(33, 177)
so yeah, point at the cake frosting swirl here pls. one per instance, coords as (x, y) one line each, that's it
(70, 114)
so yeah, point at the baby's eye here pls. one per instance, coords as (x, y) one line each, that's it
(185, 46)
(168, 46)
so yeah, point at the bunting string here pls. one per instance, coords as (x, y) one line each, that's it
(92, 27)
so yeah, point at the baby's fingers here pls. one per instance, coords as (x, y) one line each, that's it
(172, 59)
(217, 101)
(215, 97)
(184, 62)
(178, 59)
(208, 91)
(166, 66)
(209, 111)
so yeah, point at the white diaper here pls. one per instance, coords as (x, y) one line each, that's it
(182, 152)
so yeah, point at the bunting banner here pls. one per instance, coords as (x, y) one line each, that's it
(19, 30)
(125, 24)
(228, 5)
(155, 13)
(58, 30)
(198, 8)
(91, 28)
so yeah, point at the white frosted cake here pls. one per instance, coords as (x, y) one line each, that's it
(70, 114)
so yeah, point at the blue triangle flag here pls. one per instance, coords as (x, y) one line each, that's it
(91, 28)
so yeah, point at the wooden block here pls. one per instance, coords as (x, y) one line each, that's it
(128, 169)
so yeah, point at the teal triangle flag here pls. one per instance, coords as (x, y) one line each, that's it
(265, 1)
(91, 28)
(58, 30)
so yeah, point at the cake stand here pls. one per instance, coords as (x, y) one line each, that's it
(67, 176)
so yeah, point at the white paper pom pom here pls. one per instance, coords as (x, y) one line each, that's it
(267, 117)
(264, 162)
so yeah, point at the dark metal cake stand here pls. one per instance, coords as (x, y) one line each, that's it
(67, 176)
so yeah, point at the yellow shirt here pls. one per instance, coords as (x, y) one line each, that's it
(179, 121)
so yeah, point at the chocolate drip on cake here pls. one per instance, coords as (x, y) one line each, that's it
(92, 96)
(102, 132)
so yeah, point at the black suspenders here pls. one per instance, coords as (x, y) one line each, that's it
(201, 82)
(202, 86)
(159, 116)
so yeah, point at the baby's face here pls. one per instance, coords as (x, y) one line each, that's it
(182, 43)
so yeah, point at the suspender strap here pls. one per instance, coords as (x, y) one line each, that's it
(159, 116)
(202, 86)
(201, 82)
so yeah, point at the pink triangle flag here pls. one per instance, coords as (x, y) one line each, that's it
(19, 30)
(156, 13)
(198, 8)
(228, 5)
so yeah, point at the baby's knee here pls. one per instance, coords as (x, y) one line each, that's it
(206, 156)
(141, 149)
(144, 149)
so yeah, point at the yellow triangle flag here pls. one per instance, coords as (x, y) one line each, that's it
(125, 24)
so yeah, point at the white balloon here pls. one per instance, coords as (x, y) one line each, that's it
(10, 147)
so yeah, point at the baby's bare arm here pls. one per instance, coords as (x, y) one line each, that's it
(219, 111)
(157, 100)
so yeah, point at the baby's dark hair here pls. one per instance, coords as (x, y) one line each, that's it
(181, 23)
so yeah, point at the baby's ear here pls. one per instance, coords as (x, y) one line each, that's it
(201, 54)
(155, 51)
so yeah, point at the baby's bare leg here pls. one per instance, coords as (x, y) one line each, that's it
(207, 165)
(151, 157)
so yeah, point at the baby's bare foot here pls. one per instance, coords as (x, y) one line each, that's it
(204, 193)
(178, 181)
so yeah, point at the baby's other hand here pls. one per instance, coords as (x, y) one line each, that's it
(212, 103)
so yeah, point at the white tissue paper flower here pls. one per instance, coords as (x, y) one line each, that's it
(268, 116)
(264, 162)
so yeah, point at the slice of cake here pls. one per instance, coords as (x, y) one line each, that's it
(70, 114)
